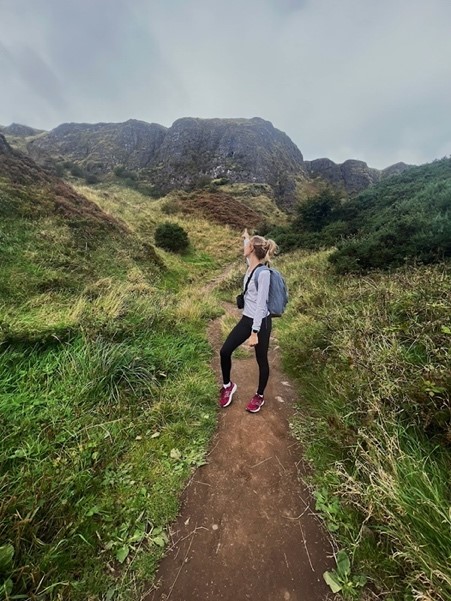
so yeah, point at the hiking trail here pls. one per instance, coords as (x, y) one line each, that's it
(247, 529)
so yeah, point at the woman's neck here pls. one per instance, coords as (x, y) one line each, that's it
(253, 261)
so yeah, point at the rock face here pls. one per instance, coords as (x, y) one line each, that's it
(241, 150)
(352, 176)
(193, 151)
(20, 131)
(100, 147)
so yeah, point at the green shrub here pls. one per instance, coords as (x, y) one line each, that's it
(91, 179)
(418, 227)
(220, 181)
(172, 237)
(77, 171)
(318, 211)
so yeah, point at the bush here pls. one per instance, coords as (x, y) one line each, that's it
(219, 181)
(59, 170)
(77, 171)
(402, 219)
(318, 211)
(172, 237)
(417, 228)
(92, 179)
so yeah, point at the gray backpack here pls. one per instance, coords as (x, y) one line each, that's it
(278, 292)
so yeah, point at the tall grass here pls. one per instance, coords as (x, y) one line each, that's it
(372, 359)
(105, 403)
(89, 476)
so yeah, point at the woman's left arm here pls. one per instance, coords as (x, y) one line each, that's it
(264, 278)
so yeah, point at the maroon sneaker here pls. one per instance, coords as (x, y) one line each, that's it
(255, 404)
(226, 395)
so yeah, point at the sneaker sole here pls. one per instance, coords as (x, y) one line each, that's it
(256, 410)
(231, 396)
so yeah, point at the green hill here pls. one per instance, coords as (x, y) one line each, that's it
(405, 217)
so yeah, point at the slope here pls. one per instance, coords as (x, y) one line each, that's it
(55, 242)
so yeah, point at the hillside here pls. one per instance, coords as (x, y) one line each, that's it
(104, 369)
(35, 192)
(19, 136)
(19, 131)
(371, 356)
(401, 218)
(54, 240)
(108, 397)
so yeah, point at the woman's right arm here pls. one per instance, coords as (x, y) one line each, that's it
(246, 238)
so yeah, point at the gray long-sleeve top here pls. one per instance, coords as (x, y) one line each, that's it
(256, 301)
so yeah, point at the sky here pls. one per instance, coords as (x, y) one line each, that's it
(362, 79)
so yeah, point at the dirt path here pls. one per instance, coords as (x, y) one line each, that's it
(247, 530)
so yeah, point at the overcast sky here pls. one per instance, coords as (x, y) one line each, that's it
(366, 79)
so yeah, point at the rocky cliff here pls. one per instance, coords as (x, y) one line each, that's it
(193, 151)
(240, 150)
(100, 147)
(352, 176)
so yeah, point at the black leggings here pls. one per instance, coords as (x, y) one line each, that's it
(237, 336)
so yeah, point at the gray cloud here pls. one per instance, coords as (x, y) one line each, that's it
(35, 74)
(343, 79)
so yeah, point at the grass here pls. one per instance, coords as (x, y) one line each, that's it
(371, 356)
(99, 433)
(106, 398)
(107, 401)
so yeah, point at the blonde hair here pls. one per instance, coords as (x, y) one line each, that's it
(264, 248)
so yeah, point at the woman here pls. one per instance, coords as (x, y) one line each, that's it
(255, 325)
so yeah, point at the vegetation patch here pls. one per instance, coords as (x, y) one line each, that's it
(172, 237)
(371, 356)
(218, 207)
(97, 439)
(404, 218)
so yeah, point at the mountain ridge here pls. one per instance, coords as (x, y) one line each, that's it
(353, 175)
(238, 150)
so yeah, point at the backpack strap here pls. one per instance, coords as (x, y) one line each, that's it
(256, 279)
(250, 277)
